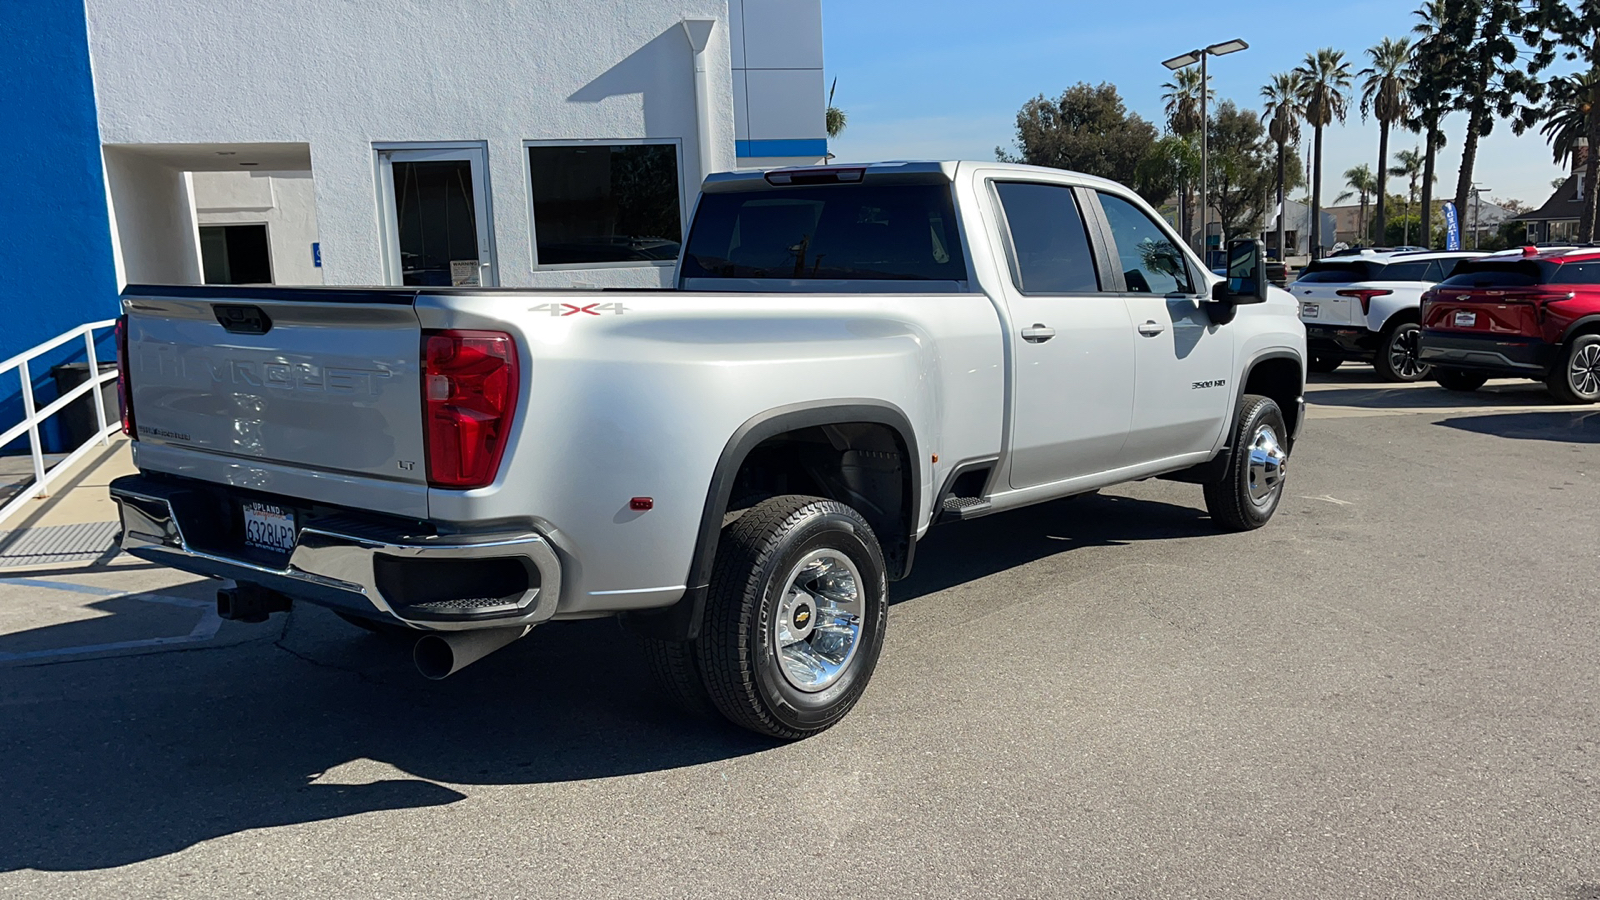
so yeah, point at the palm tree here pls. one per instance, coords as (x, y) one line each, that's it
(1362, 183)
(836, 119)
(1566, 113)
(1182, 96)
(1410, 168)
(1282, 95)
(1324, 81)
(1384, 93)
(1433, 86)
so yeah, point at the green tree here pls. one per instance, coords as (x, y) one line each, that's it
(1408, 165)
(1282, 96)
(1364, 184)
(1493, 81)
(1087, 129)
(1325, 81)
(1242, 170)
(1385, 94)
(1569, 105)
(835, 119)
(1170, 168)
(1569, 28)
(1443, 31)
(1182, 97)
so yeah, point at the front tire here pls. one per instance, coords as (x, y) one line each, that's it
(1576, 378)
(1398, 358)
(1247, 495)
(795, 616)
(1462, 380)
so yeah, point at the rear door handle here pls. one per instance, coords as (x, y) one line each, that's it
(1151, 328)
(1038, 334)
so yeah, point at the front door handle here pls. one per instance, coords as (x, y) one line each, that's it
(1038, 334)
(1151, 328)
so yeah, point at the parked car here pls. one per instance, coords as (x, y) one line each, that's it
(738, 467)
(1364, 307)
(1533, 313)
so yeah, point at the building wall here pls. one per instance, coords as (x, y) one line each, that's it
(153, 220)
(778, 89)
(341, 75)
(285, 202)
(56, 268)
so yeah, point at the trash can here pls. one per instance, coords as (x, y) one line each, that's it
(77, 423)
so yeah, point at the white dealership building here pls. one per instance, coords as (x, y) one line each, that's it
(349, 143)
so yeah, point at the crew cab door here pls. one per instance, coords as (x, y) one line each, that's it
(1072, 348)
(1183, 385)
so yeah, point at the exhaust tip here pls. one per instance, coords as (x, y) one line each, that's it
(434, 657)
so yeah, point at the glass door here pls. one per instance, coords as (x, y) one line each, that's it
(436, 217)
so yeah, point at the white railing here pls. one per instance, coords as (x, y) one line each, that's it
(33, 416)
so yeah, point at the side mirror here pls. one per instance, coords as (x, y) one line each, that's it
(1247, 274)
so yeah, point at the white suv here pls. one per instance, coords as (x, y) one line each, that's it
(1364, 308)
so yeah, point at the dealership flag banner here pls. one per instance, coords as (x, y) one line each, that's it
(1452, 228)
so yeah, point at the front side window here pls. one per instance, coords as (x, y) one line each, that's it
(605, 204)
(1048, 239)
(1150, 262)
(1405, 271)
(896, 232)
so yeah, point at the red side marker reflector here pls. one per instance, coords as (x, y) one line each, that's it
(642, 503)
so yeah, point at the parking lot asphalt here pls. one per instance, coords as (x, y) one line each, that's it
(1390, 691)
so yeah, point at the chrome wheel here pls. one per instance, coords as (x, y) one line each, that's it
(818, 624)
(1267, 462)
(1404, 354)
(1584, 373)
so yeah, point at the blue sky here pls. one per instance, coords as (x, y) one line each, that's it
(942, 79)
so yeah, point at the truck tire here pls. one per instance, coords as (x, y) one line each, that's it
(1397, 358)
(794, 617)
(1247, 495)
(1322, 365)
(1576, 378)
(1463, 380)
(676, 670)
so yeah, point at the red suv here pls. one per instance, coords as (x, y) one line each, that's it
(1528, 314)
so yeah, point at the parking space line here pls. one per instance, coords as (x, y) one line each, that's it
(204, 630)
(62, 586)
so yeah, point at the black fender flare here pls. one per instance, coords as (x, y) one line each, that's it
(1216, 467)
(681, 621)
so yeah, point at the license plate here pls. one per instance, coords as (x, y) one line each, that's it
(1466, 319)
(1309, 310)
(268, 527)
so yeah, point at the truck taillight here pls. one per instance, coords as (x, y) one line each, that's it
(469, 392)
(124, 386)
(1365, 295)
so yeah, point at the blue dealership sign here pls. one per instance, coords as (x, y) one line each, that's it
(1452, 228)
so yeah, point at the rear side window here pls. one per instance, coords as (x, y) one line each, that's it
(1048, 238)
(1471, 274)
(1578, 273)
(1321, 272)
(1151, 263)
(904, 232)
(1405, 271)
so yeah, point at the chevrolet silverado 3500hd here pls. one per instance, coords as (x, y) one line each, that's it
(738, 466)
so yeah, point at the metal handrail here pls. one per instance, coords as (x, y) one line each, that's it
(32, 415)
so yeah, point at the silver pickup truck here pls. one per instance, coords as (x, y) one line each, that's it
(737, 466)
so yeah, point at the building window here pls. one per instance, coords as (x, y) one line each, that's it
(235, 254)
(598, 203)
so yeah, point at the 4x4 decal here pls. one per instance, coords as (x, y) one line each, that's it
(572, 309)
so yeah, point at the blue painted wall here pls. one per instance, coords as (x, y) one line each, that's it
(56, 268)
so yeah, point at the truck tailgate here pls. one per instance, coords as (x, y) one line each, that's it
(316, 379)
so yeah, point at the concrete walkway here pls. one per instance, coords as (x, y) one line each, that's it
(77, 524)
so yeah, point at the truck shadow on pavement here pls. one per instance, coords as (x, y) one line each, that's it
(114, 761)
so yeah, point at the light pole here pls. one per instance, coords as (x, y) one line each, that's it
(1477, 212)
(1183, 62)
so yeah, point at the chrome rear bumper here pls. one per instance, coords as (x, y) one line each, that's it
(348, 569)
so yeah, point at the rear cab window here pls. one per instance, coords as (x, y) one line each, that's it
(1049, 244)
(855, 232)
